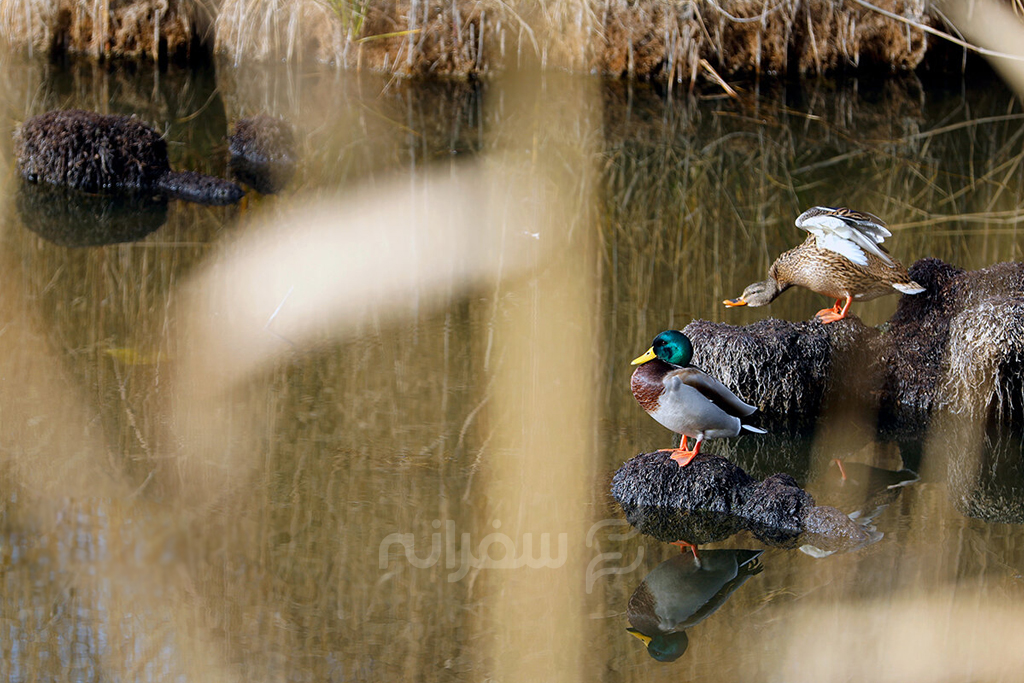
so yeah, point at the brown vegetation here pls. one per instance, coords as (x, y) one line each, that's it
(635, 38)
(644, 39)
(133, 29)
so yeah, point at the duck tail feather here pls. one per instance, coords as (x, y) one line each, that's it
(908, 287)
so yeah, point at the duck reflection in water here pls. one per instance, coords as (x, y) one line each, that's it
(682, 592)
(860, 490)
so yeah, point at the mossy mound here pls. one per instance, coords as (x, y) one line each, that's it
(958, 346)
(984, 365)
(262, 152)
(784, 368)
(711, 499)
(90, 152)
(108, 154)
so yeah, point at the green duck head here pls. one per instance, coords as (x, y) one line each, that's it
(665, 647)
(671, 346)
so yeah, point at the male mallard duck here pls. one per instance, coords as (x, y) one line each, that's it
(840, 259)
(683, 591)
(684, 398)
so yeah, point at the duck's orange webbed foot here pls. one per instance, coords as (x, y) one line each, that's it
(842, 470)
(830, 315)
(686, 545)
(683, 455)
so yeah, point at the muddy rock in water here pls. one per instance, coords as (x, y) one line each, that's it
(784, 368)
(262, 152)
(711, 499)
(108, 154)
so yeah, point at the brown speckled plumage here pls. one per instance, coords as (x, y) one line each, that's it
(842, 258)
(833, 275)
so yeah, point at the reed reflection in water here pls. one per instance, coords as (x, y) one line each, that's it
(191, 492)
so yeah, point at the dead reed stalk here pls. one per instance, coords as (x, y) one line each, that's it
(646, 39)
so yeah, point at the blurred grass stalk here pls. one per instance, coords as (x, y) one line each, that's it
(995, 27)
(543, 472)
(328, 267)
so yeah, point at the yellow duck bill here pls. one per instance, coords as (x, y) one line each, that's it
(649, 355)
(735, 302)
(644, 638)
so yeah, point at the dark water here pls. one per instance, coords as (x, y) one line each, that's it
(313, 512)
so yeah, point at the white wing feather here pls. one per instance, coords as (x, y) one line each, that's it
(848, 235)
(844, 247)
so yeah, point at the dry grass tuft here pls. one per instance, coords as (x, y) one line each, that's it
(136, 30)
(643, 39)
(632, 38)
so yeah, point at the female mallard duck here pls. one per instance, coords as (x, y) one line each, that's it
(684, 398)
(840, 259)
(683, 591)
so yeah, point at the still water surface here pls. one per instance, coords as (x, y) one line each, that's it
(362, 474)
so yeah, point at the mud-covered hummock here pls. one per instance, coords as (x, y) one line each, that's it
(983, 369)
(784, 368)
(957, 346)
(916, 348)
(711, 499)
(262, 152)
(108, 154)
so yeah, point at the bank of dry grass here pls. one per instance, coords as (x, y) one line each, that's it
(635, 38)
(104, 29)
